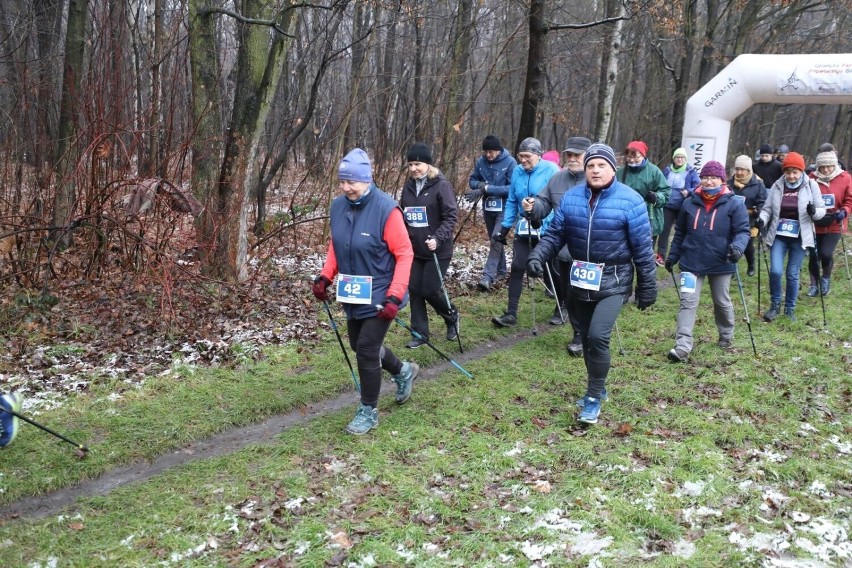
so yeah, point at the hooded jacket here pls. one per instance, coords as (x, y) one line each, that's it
(687, 179)
(808, 193)
(527, 184)
(644, 179)
(614, 231)
(497, 174)
(439, 201)
(702, 236)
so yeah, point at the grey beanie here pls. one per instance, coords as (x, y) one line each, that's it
(531, 145)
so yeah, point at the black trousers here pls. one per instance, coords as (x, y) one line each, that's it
(425, 287)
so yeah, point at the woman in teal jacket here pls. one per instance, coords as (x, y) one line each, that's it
(527, 181)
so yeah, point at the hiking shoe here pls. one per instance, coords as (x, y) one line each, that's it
(724, 343)
(557, 318)
(415, 343)
(575, 348)
(591, 411)
(365, 420)
(581, 402)
(453, 326)
(9, 422)
(405, 380)
(660, 260)
(484, 284)
(824, 286)
(506, 320)
(813, 291)
(678, 355)
(790, 313)
(772, 313)
(750, 271)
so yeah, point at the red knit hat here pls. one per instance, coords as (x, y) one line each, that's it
(640, 147)
(794, 160)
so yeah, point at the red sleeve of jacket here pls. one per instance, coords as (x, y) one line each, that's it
(396, 236)
(329, 269)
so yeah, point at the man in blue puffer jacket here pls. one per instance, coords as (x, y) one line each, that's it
(490, 181)
(605, 226)
(711, 234)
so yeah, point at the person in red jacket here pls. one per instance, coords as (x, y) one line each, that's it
(836, 188)
(371, 255)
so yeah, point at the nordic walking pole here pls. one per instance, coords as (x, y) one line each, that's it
(674, 280)
(453, 312)
(421, 338)
(759, 248)
(80, 447)
(845, 255)
(555, 295)
(745, 308)
(618, 336)
(340, 341)
(534, 329)
(819, 279)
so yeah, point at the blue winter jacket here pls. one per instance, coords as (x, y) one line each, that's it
(527, 184)
(702, 237)
(687, 180)
(497, 174)
(614, 231)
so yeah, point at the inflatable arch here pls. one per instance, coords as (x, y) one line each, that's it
(750, 79)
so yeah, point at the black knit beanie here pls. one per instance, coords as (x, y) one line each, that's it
(419, 152)
(491, 142)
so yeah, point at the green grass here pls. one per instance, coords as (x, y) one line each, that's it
(699, 464)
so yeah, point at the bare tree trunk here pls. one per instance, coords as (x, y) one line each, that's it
(75, 42)
(419, 122)
(533, 89)
(609, 73)
(458, 68)
(352, 134)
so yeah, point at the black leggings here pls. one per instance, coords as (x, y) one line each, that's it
(425, 286)
(521, 247)
(669, 218)
(365, 338)
(825, 245)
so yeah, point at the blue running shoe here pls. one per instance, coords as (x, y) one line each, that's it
(581, 402)
(591, 411)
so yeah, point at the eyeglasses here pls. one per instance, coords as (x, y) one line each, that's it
(706, 178)
(525, 156)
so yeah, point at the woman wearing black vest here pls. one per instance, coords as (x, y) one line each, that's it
(371, 255)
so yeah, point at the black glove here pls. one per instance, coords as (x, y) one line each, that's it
(482, 185)
(734, 253)
(474, 194)
(644, 305)
(760, 224)
(500, 236)
(811, 209)
(651, 197)
(670, 264)
(535, 268)
(840, 215)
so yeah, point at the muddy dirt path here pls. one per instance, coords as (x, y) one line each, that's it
(229, 441)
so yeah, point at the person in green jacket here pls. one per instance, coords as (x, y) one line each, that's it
(649, 182)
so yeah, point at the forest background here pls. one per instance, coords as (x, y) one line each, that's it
(152, 147)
